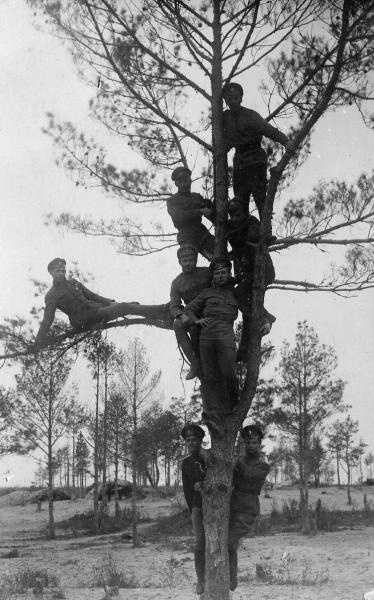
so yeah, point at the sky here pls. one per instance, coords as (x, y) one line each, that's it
(38, 76)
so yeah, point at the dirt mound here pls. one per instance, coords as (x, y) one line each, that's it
(16, 498)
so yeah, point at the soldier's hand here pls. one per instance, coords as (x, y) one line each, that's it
(203, 322)
(198, 486)
(184, 319)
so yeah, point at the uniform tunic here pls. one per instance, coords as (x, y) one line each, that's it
(243, 130)
(186, 286)
(248, 479)
(75, 300)
(185, 212)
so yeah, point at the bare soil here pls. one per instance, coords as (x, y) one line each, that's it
(332, 566)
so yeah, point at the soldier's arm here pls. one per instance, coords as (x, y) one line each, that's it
(259, 124)
(48, 318)
(176, 308)
(92, 296)
(187, 487)
(181, 214)
(194, 308)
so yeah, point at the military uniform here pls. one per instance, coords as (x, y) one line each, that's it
(85, 308)
(243, 130)
(185, 212)
(248, 479)
(184, 288)
(242, 240)
(217, 342)
(193, 472)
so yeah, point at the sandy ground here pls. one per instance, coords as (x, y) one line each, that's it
(340, 564)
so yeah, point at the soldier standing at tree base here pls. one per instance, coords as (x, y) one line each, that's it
(249, 476)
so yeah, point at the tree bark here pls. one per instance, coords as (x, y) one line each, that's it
(51, 520)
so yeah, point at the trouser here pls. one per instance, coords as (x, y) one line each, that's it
(244, 295)
(251, 181)
(219, 374)
(199, 237)
(240, 524)
(121, 309)
(199, 548)
(188, 340)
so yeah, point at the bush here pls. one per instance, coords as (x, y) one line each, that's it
(109, 576)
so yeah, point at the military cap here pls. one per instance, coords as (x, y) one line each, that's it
(186, 249)
(250, 430)
(179, 170)
(56, 262)
(192, 429)
(231, 86)
(220, 260)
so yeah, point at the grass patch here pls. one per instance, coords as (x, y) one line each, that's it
(21, 581)
(177, 525)
(288, 571)
(108, 575)
(83, 523)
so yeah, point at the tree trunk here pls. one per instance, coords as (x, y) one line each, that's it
(96, 449)
(134, 465)
(117, 509)
(337, 466)
(103, 506)
(51, 520)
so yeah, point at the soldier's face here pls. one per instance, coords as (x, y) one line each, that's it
(221, 275)
(252, 445)
(233, 98)
(193, 443)
(237, 217)
(183, 182)
(58, 274)
(188, 262)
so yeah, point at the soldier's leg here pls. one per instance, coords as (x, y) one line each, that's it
(206, 245)
(242, 185)
(212, 407)
(259, 183)
(185, 342)
(199, 549)
(121, 309)
(226, 357)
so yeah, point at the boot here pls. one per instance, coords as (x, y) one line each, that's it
(185, 344)
(233, 568)
(199, 556)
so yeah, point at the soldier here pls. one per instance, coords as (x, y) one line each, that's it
(193, 473)
(216, 309)
(186, 209)
(243, 130)
(83, 307)
(243, 233)
(185, 288)
(249, 476)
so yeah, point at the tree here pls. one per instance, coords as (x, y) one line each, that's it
(150, 62)
(309, 396)
(317, 457)
(138, 385)
(369, 460)
(40, 418)
(350, 449)
(118, 439)
(82, 454)
(334, 444)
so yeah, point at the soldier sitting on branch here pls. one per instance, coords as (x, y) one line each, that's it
(186, 209)
(184, 289)
(83, 307)
(243, 130)
(243, 234)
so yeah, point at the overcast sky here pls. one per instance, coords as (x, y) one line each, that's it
(39, 76)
